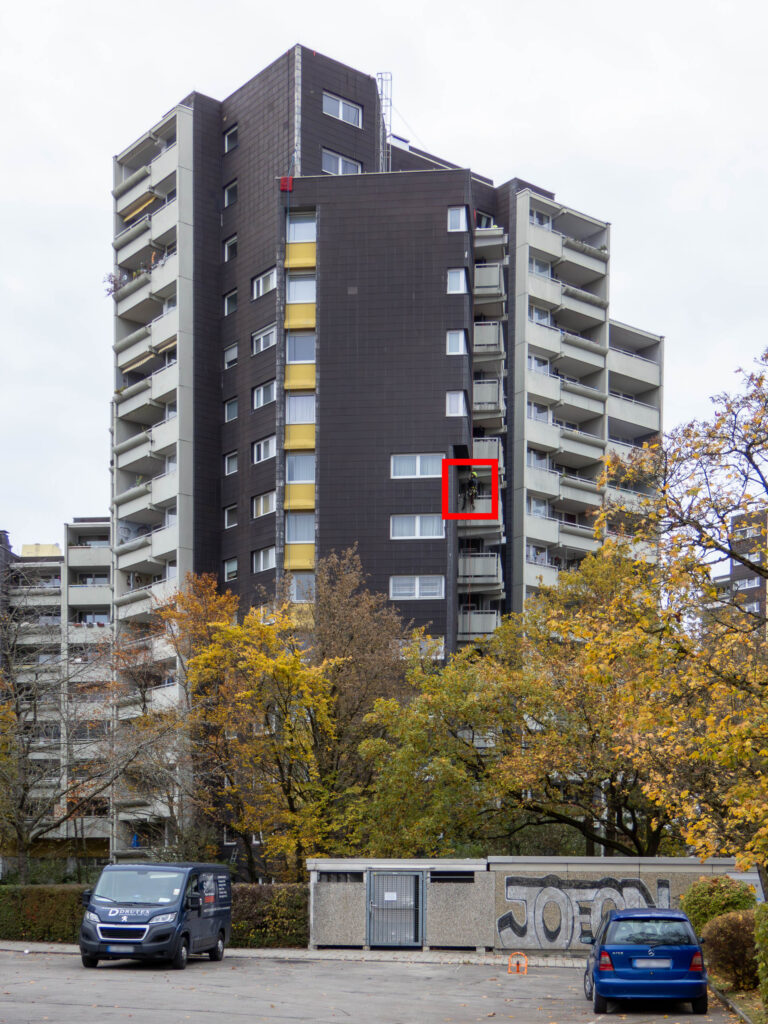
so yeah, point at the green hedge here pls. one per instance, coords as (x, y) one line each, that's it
(712, 896)
(262, 915)
(761, 949)
(729, 948)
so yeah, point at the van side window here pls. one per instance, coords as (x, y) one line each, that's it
(191, 886)
(207, 887)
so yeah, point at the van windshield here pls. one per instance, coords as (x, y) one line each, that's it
(139, 885)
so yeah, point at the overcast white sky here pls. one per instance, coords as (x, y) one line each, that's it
(650, 115)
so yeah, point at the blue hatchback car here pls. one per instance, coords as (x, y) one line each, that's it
(646, 953)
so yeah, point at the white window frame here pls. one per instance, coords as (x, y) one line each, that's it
(294, 594)
(418, 474)
(304, 335)
(291, 399)
(417, 526)
(265, 447)
(263, 504)
(300, 455)
(263, 559)
(344, 107)
(343, 164)
(229, 189)
(540, 218)
(538, 364)
(230, 302)
(540, 267)
(419, 584)
(229, 244)
(292, 279)
(230, 356)
(457, 218)
(263, 394)
(230, 517)
(480, 219)
(229, 570)
(264, 283)
(297, 221)
(534, 411)
(230, 410)
(459, 336)
(295, 518)
(538, 507)
(455, 403)
(230, 459)
(263, 339)
(230, 139)
(539, 314)
(456, 281)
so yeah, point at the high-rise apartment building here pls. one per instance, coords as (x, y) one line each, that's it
(311, 316)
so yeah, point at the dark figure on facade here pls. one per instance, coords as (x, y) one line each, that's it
(469, 492)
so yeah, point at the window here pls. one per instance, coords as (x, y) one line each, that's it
(538, 507)
(300, 288)
(300, 409)
(457, 281)
(540, 219)
(537, 411)
(301, 227)
(264, 394)
(748, 583)
(335, 163)
(170, 463)
(413, 527)
(266, 282)
(230, 516)
(539, 315)
(230, 357)
(230, 139)
(230, 193)
(171, 410)
(344, 110)
(413, 588)
(536, 553)
(302, 587)
(538, 364)
(409, 466)
(753, 606)
(457, 218)
(230, 410)
(262, 340)
(299, 527)
(483, 220)
(171, 516)
(299, 468)
(263, 559)
(263, 504)
(230, 463)
(230, 569)
(263, 450)
(541, 267)
(230, 302)
(456, 343)
(300, 348)
(230, 248)
(455, 403)
(537, 459)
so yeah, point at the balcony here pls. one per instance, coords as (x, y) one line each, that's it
(135, 403)
(491, 243)
(539, 574)
(488, 404)
(634, 365)
(541, 529)
(543, 385)
(86, 557)
(481, 571)
(144, 182)
(579, 448)
(489, 528)
(473, 625)
(632, 414)
(580, 491)
(544, 290)
(488, 341)
(488, 448)
(83, 595)
(545, 482)
(489, 291)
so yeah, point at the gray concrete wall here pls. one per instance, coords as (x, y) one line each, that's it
(458, 914)
(338, 914)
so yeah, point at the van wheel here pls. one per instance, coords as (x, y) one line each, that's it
(700, 1005)
(599, 1003)
(179, 961)
(217, 953)
(89, 961)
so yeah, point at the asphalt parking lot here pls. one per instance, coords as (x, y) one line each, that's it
(53, 987)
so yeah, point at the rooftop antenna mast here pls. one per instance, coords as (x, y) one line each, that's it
(384, 85)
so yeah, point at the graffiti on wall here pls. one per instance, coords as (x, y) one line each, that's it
(555, 913)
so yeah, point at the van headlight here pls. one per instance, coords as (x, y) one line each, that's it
(163, 919)
(90, 916)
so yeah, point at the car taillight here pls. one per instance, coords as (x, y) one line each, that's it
(606, 964)
(697, 963)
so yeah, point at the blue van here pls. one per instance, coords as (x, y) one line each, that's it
(157, 912)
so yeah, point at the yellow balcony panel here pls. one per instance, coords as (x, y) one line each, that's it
(300, 435)
(300, 496)
(300, 255)
(299, 316)
(299, 556)
(300, 376)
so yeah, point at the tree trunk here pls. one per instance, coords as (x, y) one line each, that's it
(762, 872)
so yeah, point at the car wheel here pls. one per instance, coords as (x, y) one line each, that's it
(217, 953)
(700, 1005)
(89, 961)
(588, 983)
(599, 1003)
(179, 961)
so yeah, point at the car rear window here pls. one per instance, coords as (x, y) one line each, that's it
(650, 932)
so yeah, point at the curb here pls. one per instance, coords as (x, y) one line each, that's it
(731, 1005)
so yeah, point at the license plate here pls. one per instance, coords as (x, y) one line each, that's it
(649, 962)
(120, 949)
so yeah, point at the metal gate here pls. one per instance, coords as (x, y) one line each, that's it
(395, 908)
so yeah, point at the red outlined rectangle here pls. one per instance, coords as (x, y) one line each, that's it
(494, 467)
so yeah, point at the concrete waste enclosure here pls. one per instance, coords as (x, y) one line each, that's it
(493, 903)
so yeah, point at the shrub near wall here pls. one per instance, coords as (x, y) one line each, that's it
(761, 948)
(40, 913)
(710, 897)
(273, 916)
(729, 948)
